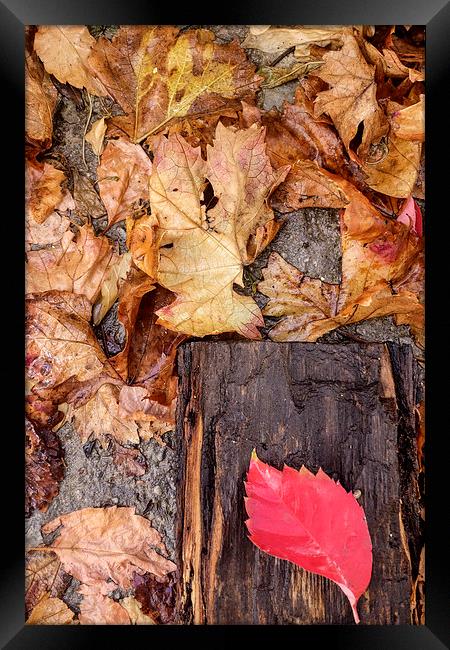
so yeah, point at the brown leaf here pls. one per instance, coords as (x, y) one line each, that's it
(44, 467)
(64, 51)
(40, 103)
(98, 609)
(351, 99)
(408, 122)
(157, 596)
(96, 135)
(130, 461)
(123, 176)
(80, 263)
(220, 240)
(60, 342)
(157, 75)
(100, 545)
(110, 288)
(275, 40)
(277, 76)
(51, 611)
(43, 190)
(53, 228)
(43, 574)
(135, 613)
(87, 201)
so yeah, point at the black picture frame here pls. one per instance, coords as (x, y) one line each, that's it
(435, 14)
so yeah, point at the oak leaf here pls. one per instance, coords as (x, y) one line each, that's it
(64, 51)
(157, 75)
(312, 521)
(105, 547)
(43, 190)
(220, 240)
(51, 611)
(122, 178)
(351, 99)
(40, 103)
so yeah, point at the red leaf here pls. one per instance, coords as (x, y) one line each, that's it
(311, 521)
(411, 215)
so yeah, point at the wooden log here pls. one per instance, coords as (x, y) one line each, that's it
(338, 407)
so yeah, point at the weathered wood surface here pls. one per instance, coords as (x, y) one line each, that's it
(338, 407)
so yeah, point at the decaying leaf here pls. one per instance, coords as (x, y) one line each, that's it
(64, 50)
(351, 99)
(44, 466)
(390, 64)
(130, 461)
(43, 575)
(51, 611)
(123, 178)
(157, 75)
(80, 263)
(53, 228)
(96, 135)
(43, 190)
(108, 545)
(274, 77)
(220, 240)
(157, 596)
(40, 103)
(312, 521)
(110, 287)
(133, 608)
(88, 204)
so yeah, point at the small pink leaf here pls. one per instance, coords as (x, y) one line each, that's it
(311, 521)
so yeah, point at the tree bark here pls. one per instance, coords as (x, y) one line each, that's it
(338, 407)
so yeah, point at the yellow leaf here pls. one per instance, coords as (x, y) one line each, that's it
(51, 611)
(157, 75)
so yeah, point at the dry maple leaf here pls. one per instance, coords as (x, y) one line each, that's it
(351, 99)
(40, 103)
(51, 611)
(64, 51)
(312, 521)
(43, 574)
(157, 75)
(43, 190)
(81, 263)
(122, 178)
(105, 547)
(202, 252)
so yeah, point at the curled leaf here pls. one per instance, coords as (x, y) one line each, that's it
(96, 135)
(43, 190)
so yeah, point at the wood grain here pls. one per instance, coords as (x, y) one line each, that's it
(339, 407)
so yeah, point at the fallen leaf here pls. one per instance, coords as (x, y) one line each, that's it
(390, 64)
(351, 99)
(60, 342)
(43, 574)
(53, 228)
(43, 190)
(88, 204)
(40, 103)
(64, 50)
(98, 609)
(96, 135)
(123, 176)
(411, 216)
(408, 122)
(44, 467)
(275, 40)
(277, 76)
(133, 608)
(312, 521)
(110, 287)
(80, 263)
(130, 461)
(157, 75)
(157, 596)
(396, 170)
(51, 611)
(221, 240)
(108, 545)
